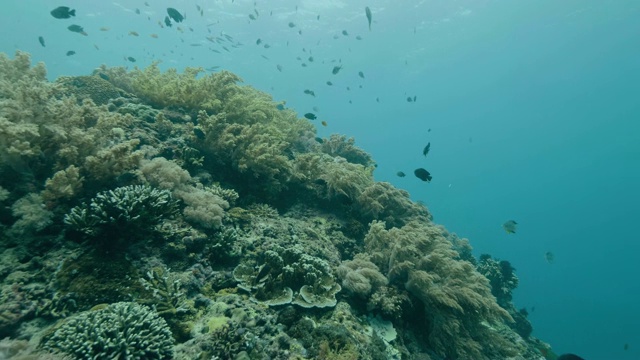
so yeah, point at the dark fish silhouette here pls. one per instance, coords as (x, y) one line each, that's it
(361, 74)
(401, 174)
(310, 116)
(132, 59)
(336, 69)
(345, 33)
(77, 29)
(367, 11)
(309, 92)
(41, 40)
(426, 149)
(175, 14)
(422, 174)
(63, 12)
(167, 21)
(329, 83)
(71, 52)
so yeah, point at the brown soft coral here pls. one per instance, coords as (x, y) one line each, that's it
(457, 299)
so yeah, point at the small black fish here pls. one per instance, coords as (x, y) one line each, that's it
(63, 12)
(415, 98)
(41, 40)
(280, 107)
(345, 33)
(309, 92)
(292, 25)
(510, 226)
(422, 174)
(167, 21)
(310, 59)
(104, 76)
(175, 14)
(426, 149)
(258, 42)
(77, 29)
(279, 67)
(361, 74)
(319, 140)
(336, 69)
(329, 83)
(358, 37)
(138, 11)
(377, 99)
(252, 17)
(132, 59)
(310, 116)
(71, 52)
(401, 174)
(367, 11)
(429, 130)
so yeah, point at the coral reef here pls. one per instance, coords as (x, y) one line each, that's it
(118, 331)
(215, 225)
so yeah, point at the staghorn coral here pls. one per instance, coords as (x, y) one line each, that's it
(457, 299)
(122, 330)
(127, 211)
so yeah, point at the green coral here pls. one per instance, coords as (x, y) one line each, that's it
(119, 331)
(382, 201)
(285, 269)
(339, 145)
(124, 211)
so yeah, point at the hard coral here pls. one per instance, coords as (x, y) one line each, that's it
(119, 331)
(124, 211)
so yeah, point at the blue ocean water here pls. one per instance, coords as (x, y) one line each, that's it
(531, 107)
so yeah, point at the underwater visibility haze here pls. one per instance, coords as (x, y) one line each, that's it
(332, 179)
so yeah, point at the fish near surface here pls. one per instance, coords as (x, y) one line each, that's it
(367, 12)
(41, 40)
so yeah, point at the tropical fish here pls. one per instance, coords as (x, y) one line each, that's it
(104, 76)
(71, 52)
(280, 107)
(409, 99)
(104, 28)
(279, 67)
(258, 42)
(336, 69)
(345, 33)
(510, 226)
(426, 149)
(310, 116)
(130, 58)
(358, 37)
(167, 21)
(155, 36)
(422, 174)
(319, 140)
(41, 40)
(309, 92)
(252, 17)
(291, 25)
(549, 257)
(175, 14)
(324, 123)
(133, 33)
(138, 11)
(367, 11)
(77, 29)
(401, 174)
(329, 83)
(63, 12)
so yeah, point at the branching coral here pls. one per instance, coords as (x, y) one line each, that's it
(118, 331)
(123, 212)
